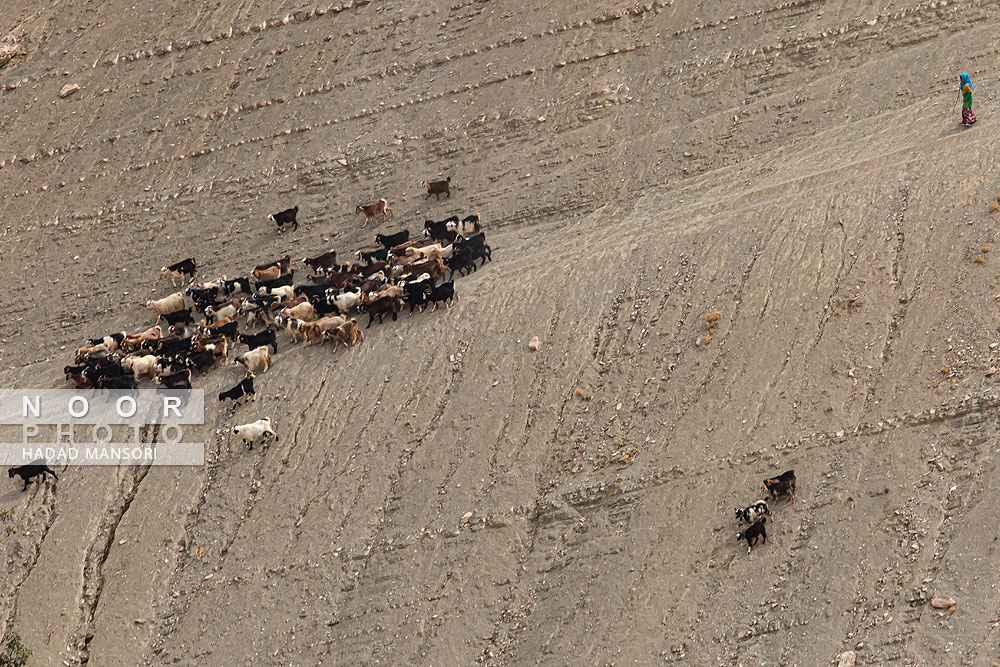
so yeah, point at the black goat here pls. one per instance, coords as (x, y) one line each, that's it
(31, 470)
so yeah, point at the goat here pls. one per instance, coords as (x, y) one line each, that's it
(432, 251)
(303, 311)
(254, 430)
(283, 280)
(372, 256)
(167, 304)
(289, 324)
(31, 470)
(365, 271)
(753, 532)
(432, 266)
(285, 217)
(219, 313)
(415, 292)
(438, 188)
(373, 282)
(283, 265)
(470, 242)
(82, 354)
(178, 380)
(168, 346)
(219, 347)
(443, 293)
(227, 326)
(782, 485)
(392, 240)
(258, 359)
(203, 298)
(141, 365)
(371, 211)
(181, 269)
(345, 301)
(751, 513)
(177, 317)
(312, 292)
(116, 382)
(75, 374)
(270, 273)
(285, 292)
(400, 250)
(441, 234)
(230, 287)
(324, 261)
(264, 338)
(394, 291)
(202, 360)
(380, 308)
(111, 341)
(460, 262)
(347, 333)
(468, 226)
(243, 388)
(133, 341)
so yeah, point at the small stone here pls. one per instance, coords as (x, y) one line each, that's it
(534, 343)
(941, 602)
(466, 517)
(847, 659)
(342, 162)
(69, 89)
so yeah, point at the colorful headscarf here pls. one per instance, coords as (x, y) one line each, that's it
(966, 83)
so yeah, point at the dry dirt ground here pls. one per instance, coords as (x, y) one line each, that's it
(799, 168)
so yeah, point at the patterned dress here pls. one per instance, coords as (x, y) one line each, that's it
(968, 118)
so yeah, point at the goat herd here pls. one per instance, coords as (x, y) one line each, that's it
(757, 513)
(401, 271)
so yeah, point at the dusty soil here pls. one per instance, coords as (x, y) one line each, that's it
(799, 168)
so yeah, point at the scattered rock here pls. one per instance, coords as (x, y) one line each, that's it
(534, 343)
(69, 89)
(941, 602)
(8, 49)
(466, 517)
(847, 659)
(342, 162)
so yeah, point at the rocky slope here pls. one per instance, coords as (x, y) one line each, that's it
(791, 179)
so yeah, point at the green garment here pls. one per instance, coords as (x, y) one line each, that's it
(966, 100)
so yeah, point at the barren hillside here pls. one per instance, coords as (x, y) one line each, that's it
(800, 169)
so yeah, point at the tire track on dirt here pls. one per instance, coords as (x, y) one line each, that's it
(93, 575)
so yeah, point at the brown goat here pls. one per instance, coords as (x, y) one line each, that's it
(438, 188)
(381, 207)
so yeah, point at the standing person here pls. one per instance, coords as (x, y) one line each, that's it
(968, 118)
